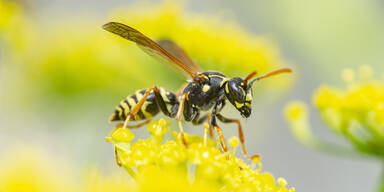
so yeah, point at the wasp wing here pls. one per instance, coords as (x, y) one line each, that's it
(164, 60)
(148, 45)
(178, 52)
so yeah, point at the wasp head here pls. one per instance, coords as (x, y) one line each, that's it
(240, 95)
(239, 91)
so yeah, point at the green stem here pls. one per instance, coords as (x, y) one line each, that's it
(334, 149)
(302, 131)
(130, 171)
(381, 181)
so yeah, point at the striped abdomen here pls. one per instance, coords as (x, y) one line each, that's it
(149, 108)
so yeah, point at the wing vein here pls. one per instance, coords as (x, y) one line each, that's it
(153, 49)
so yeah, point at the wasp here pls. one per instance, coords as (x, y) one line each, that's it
(206, 92)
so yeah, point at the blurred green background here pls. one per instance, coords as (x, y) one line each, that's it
(62, 75)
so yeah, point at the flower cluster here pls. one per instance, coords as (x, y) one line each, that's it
(12, 27)
(356, 112)
(153, 165)
(170, 166)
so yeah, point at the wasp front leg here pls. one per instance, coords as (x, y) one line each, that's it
(241, 135)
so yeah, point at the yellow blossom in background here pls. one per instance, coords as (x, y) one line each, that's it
(355, 112)
(29, 169)
(296, 114)
(9, 16)
(215, 43)
(15, 28)
(170, 166)
(75, 57)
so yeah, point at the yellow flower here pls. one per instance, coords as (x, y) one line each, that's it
(297, 115)
(355, 112)
(15, 29)
(295, 111)
(170, 166)
(28, 169)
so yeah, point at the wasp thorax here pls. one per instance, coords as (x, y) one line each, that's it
(240, 95)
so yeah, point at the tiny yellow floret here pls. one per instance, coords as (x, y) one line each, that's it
(282, 182)
(295, 110)
(233, 142)
(121, 135)
(158, 128)
(348, 75)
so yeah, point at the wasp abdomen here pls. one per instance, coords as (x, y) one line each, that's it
(148, 110)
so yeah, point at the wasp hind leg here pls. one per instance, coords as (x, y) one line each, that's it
(137, 107)
(132, 113)
(241, 135)
(160, 103)
(135, 126)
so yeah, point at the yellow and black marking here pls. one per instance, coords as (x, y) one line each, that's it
(149, 109)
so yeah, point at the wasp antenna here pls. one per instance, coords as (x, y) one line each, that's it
(276, 72)
(249, 77)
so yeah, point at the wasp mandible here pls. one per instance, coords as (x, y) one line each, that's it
(206, 92)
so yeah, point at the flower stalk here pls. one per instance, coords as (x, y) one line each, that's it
(381, 181)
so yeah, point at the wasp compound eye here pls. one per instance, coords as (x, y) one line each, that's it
(236, 90)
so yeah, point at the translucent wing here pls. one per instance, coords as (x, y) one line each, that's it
(174, 49)
(148, 45)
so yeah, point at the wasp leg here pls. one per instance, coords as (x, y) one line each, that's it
(161, 103)
(241, 135)
(179, 115)
(137, 107)
(210, 131)
(219, 132)
(135, 126)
